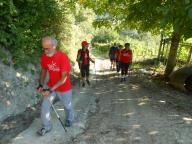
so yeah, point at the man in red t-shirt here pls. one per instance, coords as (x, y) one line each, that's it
(126, 60)
(83, 58)
(57, 65)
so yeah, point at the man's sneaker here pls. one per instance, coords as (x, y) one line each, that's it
(68, 123)
(122, 79)
(83, 84)
(43, 131)
(88, 82)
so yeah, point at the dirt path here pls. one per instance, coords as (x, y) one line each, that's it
(126, 114)
(111, 112)
(84, 104)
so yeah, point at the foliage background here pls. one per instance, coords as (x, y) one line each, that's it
(23, 23)
(144, 45)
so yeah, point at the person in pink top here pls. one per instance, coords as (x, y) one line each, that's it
(57, 65)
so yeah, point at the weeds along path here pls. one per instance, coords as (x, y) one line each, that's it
(110, 112)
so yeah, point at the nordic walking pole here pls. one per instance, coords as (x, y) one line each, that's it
(58, 117)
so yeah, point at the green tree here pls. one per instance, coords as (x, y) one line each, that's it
(24, 22)
(147, 15)
(177, 14)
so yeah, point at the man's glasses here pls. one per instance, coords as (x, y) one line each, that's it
(45, 49)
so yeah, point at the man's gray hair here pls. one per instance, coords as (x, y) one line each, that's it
(52, 39)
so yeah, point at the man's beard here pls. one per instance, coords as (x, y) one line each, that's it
(50, 54)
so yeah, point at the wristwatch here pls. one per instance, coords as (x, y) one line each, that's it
(40, 86)
(48, 89)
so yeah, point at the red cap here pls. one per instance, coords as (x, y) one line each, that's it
(84, 43)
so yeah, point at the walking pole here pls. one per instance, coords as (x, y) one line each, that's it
(58, 117)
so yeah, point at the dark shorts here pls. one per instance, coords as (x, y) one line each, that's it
(85, 70)
(112, 58)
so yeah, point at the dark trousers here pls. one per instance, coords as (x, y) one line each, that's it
(124, 68)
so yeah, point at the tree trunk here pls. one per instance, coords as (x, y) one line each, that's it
(160, 47)
(166, 53)
(171, 62)
(163, 51)
(189, 56)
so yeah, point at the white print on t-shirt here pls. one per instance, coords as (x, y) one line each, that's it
(126, 54)
(53, 67)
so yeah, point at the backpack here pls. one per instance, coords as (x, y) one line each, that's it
(112, 51)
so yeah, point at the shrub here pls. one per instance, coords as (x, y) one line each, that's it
(24, 22)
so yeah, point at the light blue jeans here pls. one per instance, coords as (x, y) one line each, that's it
(65, 98)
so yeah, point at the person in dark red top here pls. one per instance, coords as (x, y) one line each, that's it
(126, 60)
(57, 65)
(117, 57)
(83, 58)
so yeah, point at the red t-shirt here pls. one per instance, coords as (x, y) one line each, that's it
(55, 65)
(117, 54)
(126, 56)
(86, 59)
